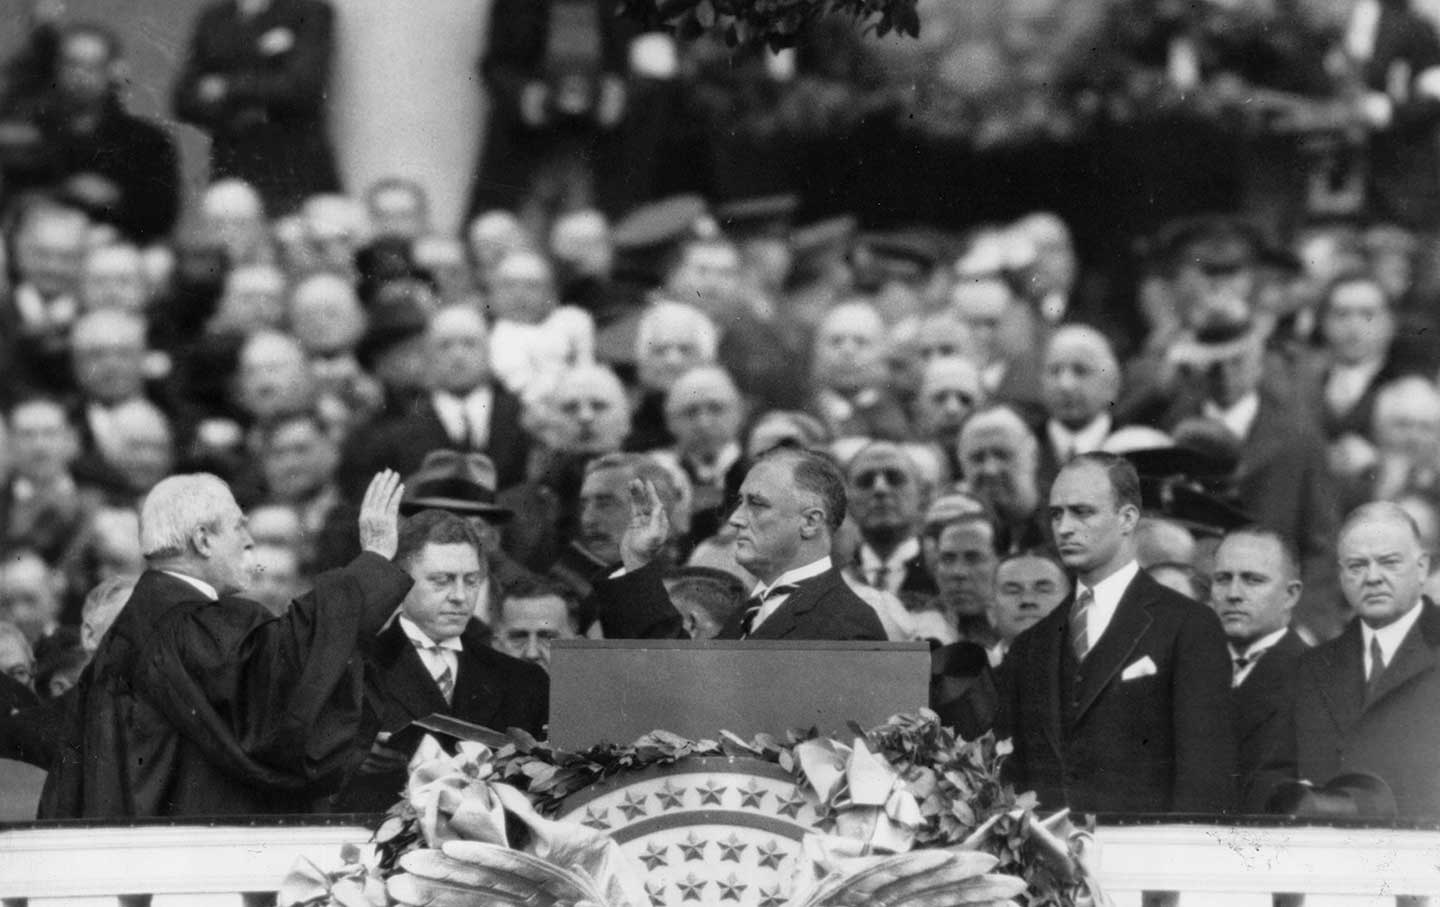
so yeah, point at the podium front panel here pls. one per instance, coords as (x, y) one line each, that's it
(617, 690)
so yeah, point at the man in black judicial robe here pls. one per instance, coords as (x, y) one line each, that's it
(200, 702)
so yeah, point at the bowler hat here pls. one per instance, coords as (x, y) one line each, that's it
(462, 483)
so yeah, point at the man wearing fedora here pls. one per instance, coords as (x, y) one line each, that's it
(1366, 701)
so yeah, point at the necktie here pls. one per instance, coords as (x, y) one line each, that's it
(757, 602)
(1079, 632)
(1241, 663)
(445, 680)
(1377, 667)
(881, 579)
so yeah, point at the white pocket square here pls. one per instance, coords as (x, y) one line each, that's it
(1142, 668)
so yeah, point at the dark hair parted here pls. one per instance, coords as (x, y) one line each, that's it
(1124, 480)
(434, 527)
(818, 474)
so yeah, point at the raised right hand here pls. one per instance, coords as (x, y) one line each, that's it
(649, 527)
(380, 514)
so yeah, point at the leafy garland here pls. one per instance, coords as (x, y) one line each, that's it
(957, 784)
(776, 23)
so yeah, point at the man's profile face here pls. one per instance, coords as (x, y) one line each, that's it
(456, 345)
(769, 519)
(884, 490)
(998, 466)
(1249, 590)
(1026, 589)
(605, 512)
(529, 625)
(965, 567)
(1089, 529)
(1382, 569)
(231, 556)
(1079, 381)
(447, 578)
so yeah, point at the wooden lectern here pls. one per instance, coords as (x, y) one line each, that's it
(617, 690)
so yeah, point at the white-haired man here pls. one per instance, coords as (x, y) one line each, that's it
(200, 702)
(671, 339)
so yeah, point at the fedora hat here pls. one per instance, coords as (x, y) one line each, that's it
(462, 483)
(1351, 795)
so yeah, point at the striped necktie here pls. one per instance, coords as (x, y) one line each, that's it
(1079, 631)
(445, 680)
(755, 603)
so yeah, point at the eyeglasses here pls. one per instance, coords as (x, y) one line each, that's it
(894, 478)
(940, 396)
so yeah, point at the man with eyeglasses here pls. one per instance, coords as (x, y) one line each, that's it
(887, 498)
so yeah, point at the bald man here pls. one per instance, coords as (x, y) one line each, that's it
(848, 374)
(1079, 383)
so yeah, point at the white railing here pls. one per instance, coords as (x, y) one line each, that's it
(240, 865)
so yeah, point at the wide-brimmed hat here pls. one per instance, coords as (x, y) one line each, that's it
(462, 483)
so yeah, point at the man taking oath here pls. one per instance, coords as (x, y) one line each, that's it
(200, 702)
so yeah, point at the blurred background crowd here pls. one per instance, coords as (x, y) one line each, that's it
(1203, 234)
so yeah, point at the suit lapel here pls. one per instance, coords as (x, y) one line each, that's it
(1342, 683)
(404, 678)
(1052, 636)
(782, 622)
(476, 700)
(1129, 623)
(1415, 656)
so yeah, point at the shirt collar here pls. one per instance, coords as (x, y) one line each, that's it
(1239, 416)
(1392, 635)
(205, 588)
(1259, 645)
(796, 575)
(1088, 438)
(420, 639)
(907, 550)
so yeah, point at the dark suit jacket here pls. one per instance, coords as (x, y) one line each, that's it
(1284, 483)
(1396, 734)
(193, 708)
(1150, 744)
(269, 129)
(1262, 707)
(401, 442)
(491, 689)
(636, 606)
(1406, 357)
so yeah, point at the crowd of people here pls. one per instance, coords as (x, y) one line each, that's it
(1102, 490)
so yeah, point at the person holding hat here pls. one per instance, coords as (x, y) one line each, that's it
(1365, 701)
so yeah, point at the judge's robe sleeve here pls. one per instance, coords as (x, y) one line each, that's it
(274, 702)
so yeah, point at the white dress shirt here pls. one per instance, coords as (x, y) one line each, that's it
(204, 588)
(1067, 443)
(436, 662)
(788, 578)
(894, 565)
(1255, 650)
(1107, 593)
(1390, 637)
(1238, 417)
(466, 417)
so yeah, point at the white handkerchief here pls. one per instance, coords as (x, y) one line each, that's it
(1142, 668)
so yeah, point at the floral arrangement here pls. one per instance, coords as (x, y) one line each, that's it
(776, 23)
(905, 788)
